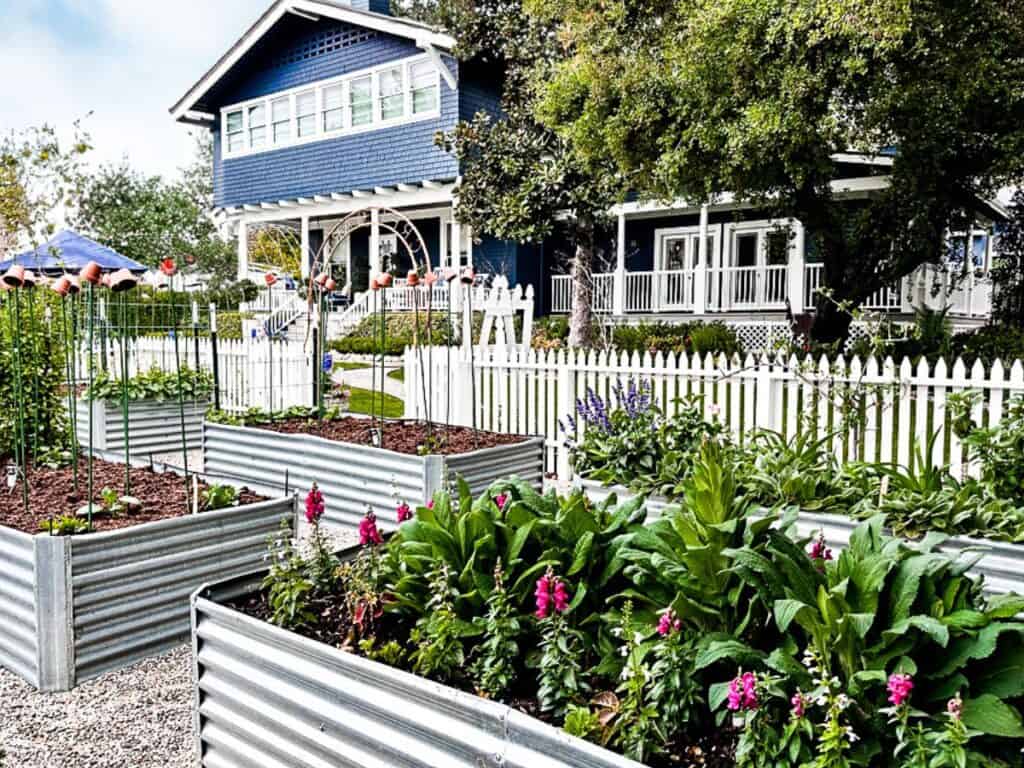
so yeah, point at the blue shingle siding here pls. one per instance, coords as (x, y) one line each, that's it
(299, 52)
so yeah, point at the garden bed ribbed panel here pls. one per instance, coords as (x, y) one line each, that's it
(19, 637)
(599, 492)
(85, 605)
(353, 477)
(265, 696)
(154, 426)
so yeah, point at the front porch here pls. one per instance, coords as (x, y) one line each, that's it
(720, 260)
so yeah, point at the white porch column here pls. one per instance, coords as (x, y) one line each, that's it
(619, 284)
(797, 271)
(468, 235)
(455, 253)
(307, 258)
(243, 250)
(700, 274)
(375, 261)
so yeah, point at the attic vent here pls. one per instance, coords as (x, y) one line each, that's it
(322, 43)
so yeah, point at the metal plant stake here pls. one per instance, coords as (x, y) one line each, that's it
(91, 275)
(63, 288)
(169, 268)
(15, 279)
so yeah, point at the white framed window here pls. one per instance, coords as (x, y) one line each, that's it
(257, 126)
(281, 114)
(398, 92)
(361, 100)
(424, 86)
(235, 131)
(334, 108)
(392, 93)
(305, 114)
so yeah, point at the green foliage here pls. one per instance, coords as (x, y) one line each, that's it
(581, 722)
(65, 525)
(148, 218)
(639, 732)
(255, 416)
(560, 674)
(494, 669)
(1000, 450)
(218, 496)
(154, 384)
(1007, 274)
(689, 337)
(439, 633)
(364, 339)
(287, 584)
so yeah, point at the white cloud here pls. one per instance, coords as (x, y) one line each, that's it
(125, 61)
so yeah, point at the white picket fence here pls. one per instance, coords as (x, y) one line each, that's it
(253, 373)
(870, 410)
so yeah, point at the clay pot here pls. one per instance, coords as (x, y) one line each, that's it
(468, 276)
(91, 273)
(384, 279)
(321, 279)
(413, 278)
(105, 280)
(374, 285)
(31, 279)
(168, 267)
(122, 280)
(330, 284)
(61, 286)
(450, 273)
(430, 278)
(15, 276)
(74, 284)
(270, 279)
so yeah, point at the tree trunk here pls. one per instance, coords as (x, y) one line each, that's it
(582, 318)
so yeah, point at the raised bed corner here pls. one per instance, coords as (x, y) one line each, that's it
(353, 477)
(72, 608)
(154, 426)
(267, 696)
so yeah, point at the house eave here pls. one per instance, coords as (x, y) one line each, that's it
(422, 35)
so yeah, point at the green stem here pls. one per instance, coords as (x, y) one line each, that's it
(92, 370)
(181, 402)
(124, 398)
(69, 353)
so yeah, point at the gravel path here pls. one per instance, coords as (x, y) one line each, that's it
(140, 717)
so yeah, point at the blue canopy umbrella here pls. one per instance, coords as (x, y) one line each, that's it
(69, 252)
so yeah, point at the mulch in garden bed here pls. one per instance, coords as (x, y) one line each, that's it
(399, 436)
(52, 493)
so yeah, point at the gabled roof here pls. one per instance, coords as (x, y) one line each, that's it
(421, 34)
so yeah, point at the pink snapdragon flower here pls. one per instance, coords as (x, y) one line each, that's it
(369, 535)
(819, 551)
(899, 687)
(314, 505)
(669, 623)
(743, 692)
(955, 707)
(430, 504)
(404, 512)
(501, 500)
(799, 704)
(551, 593)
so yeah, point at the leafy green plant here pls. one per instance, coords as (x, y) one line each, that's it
(154, 384)
(639, 732)
(287, 585)
(65, 525)
(801, 470)
(218, 496)
(439, 634)
(494, 670)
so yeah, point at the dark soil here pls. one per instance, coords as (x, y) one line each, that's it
(52, 494)
(400, 436)
(713, 749)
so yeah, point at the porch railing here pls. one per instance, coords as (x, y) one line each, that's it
(562, 293)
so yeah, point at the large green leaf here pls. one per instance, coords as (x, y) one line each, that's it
(991, 715)
(731, 650)
(787, 610)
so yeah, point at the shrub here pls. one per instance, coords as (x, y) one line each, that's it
(993, 342)
(154, 384)
(691, 337)
(364, 339)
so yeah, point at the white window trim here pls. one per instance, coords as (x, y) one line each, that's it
(347, 128)
(763, 227)
(672, 233)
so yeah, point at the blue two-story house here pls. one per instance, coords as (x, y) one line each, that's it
(326, 108)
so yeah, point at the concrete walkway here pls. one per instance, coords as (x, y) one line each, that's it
(363, 379)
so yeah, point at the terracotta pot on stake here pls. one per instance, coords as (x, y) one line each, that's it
(169, 268)
(121, 282)
(62, 287)
(90, 275)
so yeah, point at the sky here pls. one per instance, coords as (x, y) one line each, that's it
(125, 61)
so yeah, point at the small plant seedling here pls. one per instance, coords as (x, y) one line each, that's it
(66, 525)
(219, 497)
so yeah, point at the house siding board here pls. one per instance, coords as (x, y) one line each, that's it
(382, 157)
(496, 257)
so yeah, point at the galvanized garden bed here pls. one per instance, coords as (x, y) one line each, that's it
(353, 477)
(154, 426)
(599, 492)
(72, 608)
(267, 696)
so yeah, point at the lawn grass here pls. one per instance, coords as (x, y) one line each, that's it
(362, 400)
(344, 365)
(398, 374)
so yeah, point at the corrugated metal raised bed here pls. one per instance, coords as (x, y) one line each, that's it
(74, 607)
(353, 477)
(266, 696)
(599, 492)
(154, 426)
